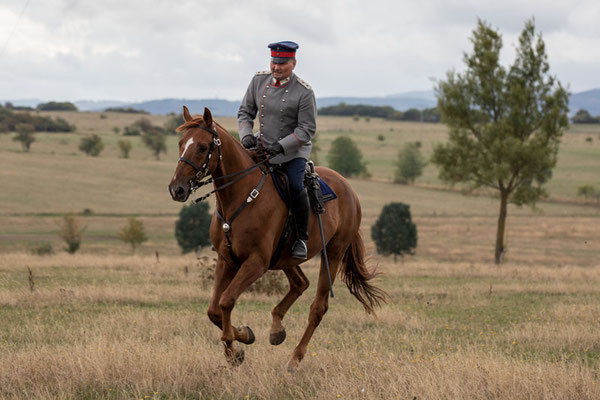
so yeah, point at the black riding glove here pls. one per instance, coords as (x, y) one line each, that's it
(273, 149)
(249, 141)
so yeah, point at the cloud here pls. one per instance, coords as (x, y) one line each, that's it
(135, 50)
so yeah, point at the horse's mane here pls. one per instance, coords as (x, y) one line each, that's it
(196, 121)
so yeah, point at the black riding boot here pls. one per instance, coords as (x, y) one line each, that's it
(301, 211)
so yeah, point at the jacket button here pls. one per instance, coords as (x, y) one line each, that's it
(285, 90)
(281, 99)
(264, 96)
(262, 124)
(262, 115)
(262, 106)
(281, 130)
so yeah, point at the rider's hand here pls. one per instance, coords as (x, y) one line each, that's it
(249, 141)
(273, 149)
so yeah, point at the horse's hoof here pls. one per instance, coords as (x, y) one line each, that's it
(251, 337)
(292, 366)
(276, 338)
(235, 358)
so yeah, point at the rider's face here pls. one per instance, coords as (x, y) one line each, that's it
(282, 71)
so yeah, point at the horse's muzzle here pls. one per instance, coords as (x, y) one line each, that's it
(179, 192)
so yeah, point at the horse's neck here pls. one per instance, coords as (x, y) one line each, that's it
(234, 159)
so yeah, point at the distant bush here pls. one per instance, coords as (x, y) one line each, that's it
(361, 110)
(91, 145)
(345, 157)
(192, 227)
(381, 138)
(584, 117)
(133, 233)
(10, 119)
(156, 141)
(124, 148)
(173, 123)
(57, 106)
(129, 131)
(71, 232)
(25, 135)
(394, 232)
(44, 249)
(127, 110)
(103, 116)
(409, 164)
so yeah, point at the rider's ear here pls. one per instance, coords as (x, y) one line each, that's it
(186, 114)
(207, 117)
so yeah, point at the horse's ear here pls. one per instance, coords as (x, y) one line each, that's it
(207, 117)
(186, 114)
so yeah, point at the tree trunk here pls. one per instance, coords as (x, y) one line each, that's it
(500, 230)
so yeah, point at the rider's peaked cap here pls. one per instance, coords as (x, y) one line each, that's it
(281, 52)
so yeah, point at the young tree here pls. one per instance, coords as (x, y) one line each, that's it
(505, 125)
(394, 232)
(410, 164)
(25, 135)
(174, 121)
(124, 148)
(155, 140)
(91, 145)
(192, 227)
(71, 231)
(133, 233)
(345, 157)
(588, 192)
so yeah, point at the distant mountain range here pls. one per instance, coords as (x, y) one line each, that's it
(588, 100)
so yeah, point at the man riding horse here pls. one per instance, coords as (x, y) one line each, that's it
(286, 110)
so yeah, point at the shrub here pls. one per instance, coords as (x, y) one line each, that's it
(133, 233)
(124, 148)
(410, 164)
(381, 138)
(57, 106)
(43, 249)
(174, 121)
(345, 157)
(192, 227)
(71, 232)
(394, 232)
(91, 145)
(25, 135)
(155, 140)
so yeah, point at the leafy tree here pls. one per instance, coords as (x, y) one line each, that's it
(155, 140)
(394, 232)
(25, 135)
(584, 117)
(133, 233)
(588, 192)
(174, 121)
(410, 164)
(124, 148)
(71, 232)
(57, 106)
(345, 157)
(505, 125)
(91, 145)
(192, 227)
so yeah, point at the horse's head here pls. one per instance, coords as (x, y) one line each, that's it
(197, 155)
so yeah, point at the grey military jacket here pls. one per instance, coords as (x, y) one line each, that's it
(286, 114)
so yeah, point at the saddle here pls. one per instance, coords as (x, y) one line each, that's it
(319, 192)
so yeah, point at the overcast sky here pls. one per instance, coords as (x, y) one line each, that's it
(135, 50)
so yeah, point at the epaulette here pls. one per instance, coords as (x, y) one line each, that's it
(306, 85)
(263, 73)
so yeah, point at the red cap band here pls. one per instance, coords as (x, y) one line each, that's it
(275, 53)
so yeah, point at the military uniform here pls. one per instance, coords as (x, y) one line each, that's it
(286, 114)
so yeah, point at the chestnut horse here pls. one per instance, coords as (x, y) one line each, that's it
(245, 246)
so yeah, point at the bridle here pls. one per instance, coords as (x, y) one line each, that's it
(197, 181)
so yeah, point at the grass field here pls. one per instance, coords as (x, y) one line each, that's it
(120, 327)
(107, 324)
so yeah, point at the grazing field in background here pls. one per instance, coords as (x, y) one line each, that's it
(106, 324)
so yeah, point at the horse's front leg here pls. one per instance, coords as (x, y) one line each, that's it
(252, 269)
(223, 277)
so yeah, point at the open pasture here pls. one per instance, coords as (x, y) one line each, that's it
(122, 327)
(106, 324)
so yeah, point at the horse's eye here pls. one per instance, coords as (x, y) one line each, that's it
(202, 148)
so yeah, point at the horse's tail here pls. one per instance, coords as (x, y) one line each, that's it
(357, 276)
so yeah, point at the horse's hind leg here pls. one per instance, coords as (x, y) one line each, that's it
(318, 307)
(298, 284)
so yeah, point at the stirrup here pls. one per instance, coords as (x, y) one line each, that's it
(300, 250)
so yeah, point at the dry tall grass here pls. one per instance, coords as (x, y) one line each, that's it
(122, 327)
